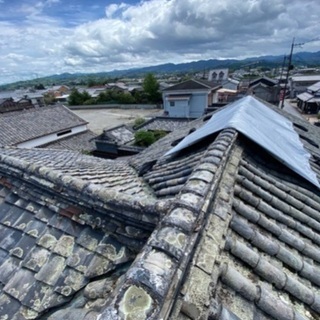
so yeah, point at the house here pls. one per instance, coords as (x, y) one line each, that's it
(217, 220)
(54, 127)
(8, 104)
(225, 96)
(59, 90)
(218, 75)
(231, 84)
(266, 89)
(21, 102)
(309, 101)
(116, 142)
(120, 140)
(188, 99)
(299, 84)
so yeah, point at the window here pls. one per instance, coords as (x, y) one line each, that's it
(63, 133)
(172, 103)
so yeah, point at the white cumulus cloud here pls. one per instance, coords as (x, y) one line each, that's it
(153, 32)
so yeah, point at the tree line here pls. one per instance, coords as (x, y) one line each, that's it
(150, 94)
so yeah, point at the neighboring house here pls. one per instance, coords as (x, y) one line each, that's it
(116, 142)
(95, 91)
(59, 90)
(309, 101)
(218, 75)
(38, 127)
(19, 100)
(8, 105)
(299, 84)
(231, 84)
(118, 86)
(266, 89)
(225, 96)
(163, 123)
(189, 99)
(217, 220)
(119, 141)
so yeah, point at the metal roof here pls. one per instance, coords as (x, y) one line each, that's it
(267, 128)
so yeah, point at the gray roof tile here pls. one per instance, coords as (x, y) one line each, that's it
(236, 235)
(17, 127)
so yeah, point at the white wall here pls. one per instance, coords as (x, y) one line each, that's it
(198, 104)
(192, 108)
(51, 137)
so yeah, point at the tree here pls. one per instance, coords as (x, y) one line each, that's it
(77, 98)
(144, 138)
(151, 88)
(39, 86)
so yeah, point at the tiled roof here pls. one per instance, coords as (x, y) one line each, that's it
(29, 124)
(116, 176)
(192, 85)
(83, 141)
(223, 231)
(68, 223)
(119, 135)
(164, 123)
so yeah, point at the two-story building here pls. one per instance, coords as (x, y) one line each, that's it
(189, 99)
(309, 101)
(299, 84)
(266, 89)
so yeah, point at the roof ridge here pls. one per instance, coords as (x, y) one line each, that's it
(154, 273)
(76, 190)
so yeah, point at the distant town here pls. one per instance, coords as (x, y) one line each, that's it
(173, 99)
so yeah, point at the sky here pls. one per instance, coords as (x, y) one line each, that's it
(45, 37)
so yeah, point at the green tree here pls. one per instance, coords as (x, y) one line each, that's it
(39, 86)
(49, 98)
(151, 88)
(126, 98)
(144, 138)
(77, 98)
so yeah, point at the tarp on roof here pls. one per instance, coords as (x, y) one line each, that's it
(262, 125)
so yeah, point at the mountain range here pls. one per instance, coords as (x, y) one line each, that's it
(306, 59)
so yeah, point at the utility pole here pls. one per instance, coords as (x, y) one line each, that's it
(287, 75)
(290, 67)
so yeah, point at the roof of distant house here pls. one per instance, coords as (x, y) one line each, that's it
(315, 87)
(17, 127)
(306, 78)
(164, 123)
(193, 85)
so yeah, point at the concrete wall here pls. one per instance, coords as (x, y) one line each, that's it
(115, 106)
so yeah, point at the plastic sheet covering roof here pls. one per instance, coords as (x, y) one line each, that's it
(262, 125)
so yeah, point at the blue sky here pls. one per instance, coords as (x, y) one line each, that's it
(43, 37)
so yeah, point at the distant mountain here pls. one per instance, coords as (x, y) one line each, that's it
(307, 59)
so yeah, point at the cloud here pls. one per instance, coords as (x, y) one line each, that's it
(156, 31)
(183, 28)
